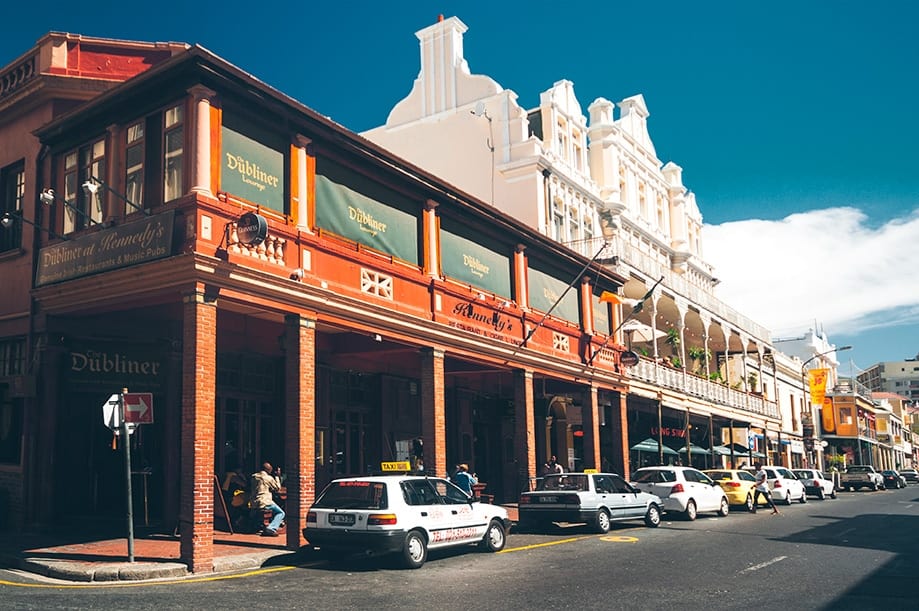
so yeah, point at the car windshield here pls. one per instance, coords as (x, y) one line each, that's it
(654, 476)
(803, 473)
(857, 470)
(564, 481)
(353, 495)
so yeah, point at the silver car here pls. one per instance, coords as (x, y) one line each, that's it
(594, 498)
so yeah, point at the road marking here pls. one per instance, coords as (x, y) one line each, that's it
(538, 545)
(620, 539)
(763, 565)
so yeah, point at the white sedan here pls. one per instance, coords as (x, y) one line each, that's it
(683, 489)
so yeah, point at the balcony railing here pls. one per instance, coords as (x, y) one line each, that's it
(17, 75)
(693, 385)
(647, 265)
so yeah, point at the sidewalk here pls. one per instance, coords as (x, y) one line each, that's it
(156, 555)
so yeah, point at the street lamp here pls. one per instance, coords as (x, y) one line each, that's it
(47, 198)
(8, 219)
(807, 416)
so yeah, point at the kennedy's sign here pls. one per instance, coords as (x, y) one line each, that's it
(137, 242)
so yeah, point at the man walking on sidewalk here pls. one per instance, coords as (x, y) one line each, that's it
(762, 487)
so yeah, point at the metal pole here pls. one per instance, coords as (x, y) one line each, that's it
(125, 439)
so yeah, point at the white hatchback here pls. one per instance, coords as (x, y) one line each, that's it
(401, 514)
(784, 485)
(683, 489)
(816, 483)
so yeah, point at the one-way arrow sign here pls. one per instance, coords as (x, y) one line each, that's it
(138, 407)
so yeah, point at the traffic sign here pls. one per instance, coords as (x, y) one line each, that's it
(111, 416)
(138, 407)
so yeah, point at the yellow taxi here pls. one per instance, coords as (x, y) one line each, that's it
(737, 485)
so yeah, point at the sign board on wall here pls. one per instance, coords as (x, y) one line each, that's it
(251, 170)
(143, 240)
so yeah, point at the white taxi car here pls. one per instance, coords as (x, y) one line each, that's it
(401, 514)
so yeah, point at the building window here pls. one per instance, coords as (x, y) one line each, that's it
(12, 183)
(134, 166)
(12, 362)
(80, 166)
(174, 148)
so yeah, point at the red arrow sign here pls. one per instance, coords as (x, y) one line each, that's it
(138, 407)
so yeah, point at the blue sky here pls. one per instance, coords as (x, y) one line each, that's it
(794, 121)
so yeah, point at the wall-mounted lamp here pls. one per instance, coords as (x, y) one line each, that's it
(481, 297)
(92, 186)
(297, 274)
(8, 219)
(47, 197)
(377, 337)
(504, 304)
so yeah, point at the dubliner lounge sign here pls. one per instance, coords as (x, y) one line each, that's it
(143, 240)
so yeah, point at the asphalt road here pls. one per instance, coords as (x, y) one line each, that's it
(860, 551)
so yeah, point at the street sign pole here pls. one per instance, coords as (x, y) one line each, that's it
(126, 440)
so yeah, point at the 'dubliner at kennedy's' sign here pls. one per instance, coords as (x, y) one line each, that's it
(140, 241)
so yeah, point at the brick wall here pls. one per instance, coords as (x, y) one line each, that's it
(433, 418)
(299, 423)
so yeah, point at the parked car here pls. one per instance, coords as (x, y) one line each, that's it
(857, 477)
(595, 498)
(893, 479)
(816, 483)
(683, 489)
(401, 514)
(910, 475)
(783, 484)
(737, 485)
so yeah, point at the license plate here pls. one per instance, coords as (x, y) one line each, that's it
(548, 499)
(341, 519)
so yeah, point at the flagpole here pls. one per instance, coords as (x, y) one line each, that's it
(635, 310)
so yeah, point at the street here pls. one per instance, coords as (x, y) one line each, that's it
(856, 552)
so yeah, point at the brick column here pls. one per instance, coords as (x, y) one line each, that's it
(619, 427)
(591, 426)
(196, 487)
(299, 423)
(524, 428)
(433, 419)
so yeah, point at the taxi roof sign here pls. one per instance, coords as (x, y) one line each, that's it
(590, 471)
(402, 465)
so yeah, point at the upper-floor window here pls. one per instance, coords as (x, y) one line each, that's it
(174, 153)
(82, 165)
(134, 164)
(12, 192)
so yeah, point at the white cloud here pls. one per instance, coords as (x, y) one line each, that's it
(827, 266)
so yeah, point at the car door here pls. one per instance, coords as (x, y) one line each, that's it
(426, 511)
(461, 521)
(706, 492)
(627, 498)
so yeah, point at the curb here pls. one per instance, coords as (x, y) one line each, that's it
(109, 572)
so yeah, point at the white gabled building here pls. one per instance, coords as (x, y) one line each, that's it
(596, 184)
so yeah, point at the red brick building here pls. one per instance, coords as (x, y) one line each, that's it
(287, 291)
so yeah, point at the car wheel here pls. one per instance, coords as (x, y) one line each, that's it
(601, 522)
(803, 498)
(495, 537)
(749, 503)
(414, 550)
(821, 495)
(724, 508)
(787, 500)
(690, 513)
(653, 516)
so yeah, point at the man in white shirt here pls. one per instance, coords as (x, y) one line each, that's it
(762, 487)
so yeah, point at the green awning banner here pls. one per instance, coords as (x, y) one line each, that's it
(252, 171)
(468, 262)
(355, 216)
(545, 291)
